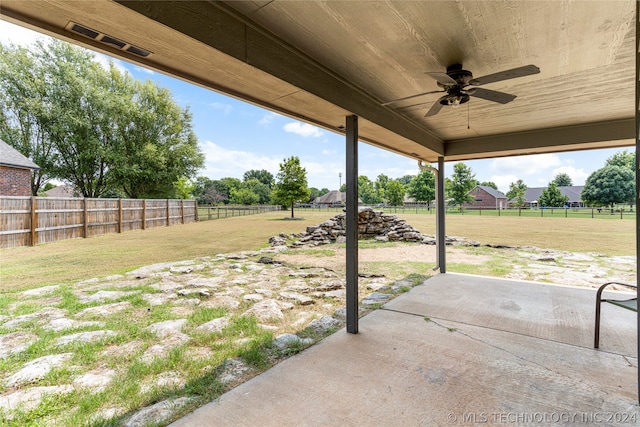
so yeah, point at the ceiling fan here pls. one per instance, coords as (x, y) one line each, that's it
(456, 83)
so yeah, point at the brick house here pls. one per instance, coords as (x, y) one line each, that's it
(15, 172)
(487, 197)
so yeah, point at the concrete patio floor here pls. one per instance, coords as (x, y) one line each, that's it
(456, 350)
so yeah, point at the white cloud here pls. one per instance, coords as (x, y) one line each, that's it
(525, 165)
(303, 129)
(18, 35)
(578, 176)
(144, 70)
(105, 60)
(503, 181)
(268, 118)
(222, 162)
(329, 152)
(225, 108)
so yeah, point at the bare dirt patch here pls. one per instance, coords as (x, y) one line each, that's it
(397, 253)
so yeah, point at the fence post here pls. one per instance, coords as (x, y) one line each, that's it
(119, 215)
(168, 211)
(182, 209)
(144, 214)
(34, 221)
(195, 206)
(85, 225)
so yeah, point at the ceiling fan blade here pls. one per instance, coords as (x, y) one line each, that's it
(492, 95)
(442, 78)
(435, 108)
(527, 70)
(411, 97)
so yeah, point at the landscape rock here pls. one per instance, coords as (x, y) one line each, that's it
(233, 370)
(168, 327)
(45, 315)
(288, 340)
(40, 292)
(30, 398)
(37, 369)
(298, 298)
(96, 380)
(376, 298)
(215, 325)
(15, 342)
(158, 413)
(325, 324)
(102, 296)
(84, 337)
(105, 310)
(266, 310)
(65, 323)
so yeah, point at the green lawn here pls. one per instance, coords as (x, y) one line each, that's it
(69, 261)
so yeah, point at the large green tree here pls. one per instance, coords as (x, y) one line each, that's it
(463, 180)
(552, 197)
(291, 184)
(562, 180)
(367, 191)
(624, 159)
(516, 193)
(423, 187)
(23, 110)
(262, 175)
(608, 186)
(395, 193)
(105, 132)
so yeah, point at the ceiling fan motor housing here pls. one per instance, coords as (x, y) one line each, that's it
(462, 77)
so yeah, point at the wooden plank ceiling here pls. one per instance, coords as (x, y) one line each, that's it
(320, 61)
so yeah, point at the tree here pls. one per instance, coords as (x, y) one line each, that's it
(291, 184)
(184, 188)
(405, 180)
(104, 132)
(608, 186)
(462, 181)
(381, 187)
(423, 187)
(343, 188)
(367, 192)
(23, 115)
(243, 196)
(624, 159)
(562, 180)
(489, 184)
(516, 193)
(395, 193)
(552, 197)
(259, 189)
(261, 175)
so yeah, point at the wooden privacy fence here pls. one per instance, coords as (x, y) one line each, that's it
(28, 221)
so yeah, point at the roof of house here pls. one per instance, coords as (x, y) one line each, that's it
(573, 192)
(331, 197)
(62, 191)
(9, 156)
(492, 191)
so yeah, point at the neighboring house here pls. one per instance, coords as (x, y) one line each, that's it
(332, 198)
(487, 197)
(62, 191)
(15, 172)
(532, 195)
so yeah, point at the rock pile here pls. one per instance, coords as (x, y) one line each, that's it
(371, 225)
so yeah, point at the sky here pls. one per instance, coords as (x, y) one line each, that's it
(236, 136)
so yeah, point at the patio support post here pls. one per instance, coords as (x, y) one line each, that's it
(352, 223)
(637, 114)
(440, 209)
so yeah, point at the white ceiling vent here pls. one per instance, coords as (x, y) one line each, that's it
(107, 39)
